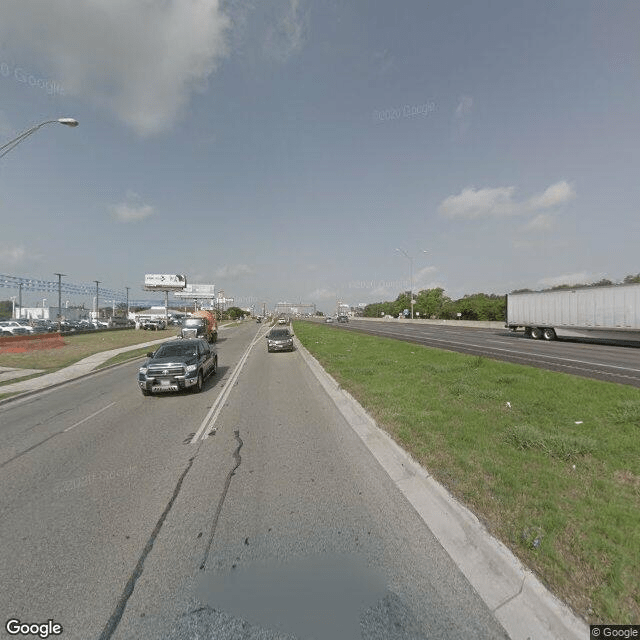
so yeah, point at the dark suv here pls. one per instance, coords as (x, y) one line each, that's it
(176, 365)
(343, 318)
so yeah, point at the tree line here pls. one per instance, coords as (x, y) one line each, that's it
(434, 304)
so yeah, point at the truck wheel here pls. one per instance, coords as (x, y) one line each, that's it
(145, 392)
(199, 383)
(214, 369)
(536, 333)
(549, 334)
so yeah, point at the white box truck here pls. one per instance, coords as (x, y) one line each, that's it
(611, 313)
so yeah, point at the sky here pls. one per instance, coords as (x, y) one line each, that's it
(316, 152)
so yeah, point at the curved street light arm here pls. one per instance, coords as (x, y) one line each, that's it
(8, 146)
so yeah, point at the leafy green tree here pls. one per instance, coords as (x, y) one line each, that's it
(235, 312)
(6, 308)
(430, 303)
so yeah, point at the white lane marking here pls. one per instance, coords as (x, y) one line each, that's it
(216, 408)
(93, 415)
(524, 353)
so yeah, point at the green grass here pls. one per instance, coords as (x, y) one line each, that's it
(554, 474)
(79, 347)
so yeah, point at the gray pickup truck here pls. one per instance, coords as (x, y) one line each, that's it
(178, 365)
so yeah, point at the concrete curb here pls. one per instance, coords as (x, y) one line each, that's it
(520, 602)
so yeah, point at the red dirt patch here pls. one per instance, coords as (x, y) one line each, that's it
(20, 344)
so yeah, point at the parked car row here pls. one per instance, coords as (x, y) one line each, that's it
(25, 327)
(82, 325)
(15, 328)
(152, 324)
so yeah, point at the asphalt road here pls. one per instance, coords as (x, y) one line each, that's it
(618, 363)
(251, 510)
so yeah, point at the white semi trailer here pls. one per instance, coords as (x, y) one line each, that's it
(611, 313)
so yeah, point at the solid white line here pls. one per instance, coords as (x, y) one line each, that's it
(216, 408)
(77, 424)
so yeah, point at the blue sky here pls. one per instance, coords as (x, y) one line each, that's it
(284, 150)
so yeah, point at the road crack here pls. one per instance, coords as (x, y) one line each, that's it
(118, 612)
(227, 483)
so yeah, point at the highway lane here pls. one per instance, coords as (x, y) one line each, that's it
(603, 361)
(87, 470)
(117, 524)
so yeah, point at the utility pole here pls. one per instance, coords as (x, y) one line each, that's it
(60, 276)
(127, 288)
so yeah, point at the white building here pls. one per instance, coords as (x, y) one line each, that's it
(69, 314)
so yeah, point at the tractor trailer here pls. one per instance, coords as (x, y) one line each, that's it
(610, 313)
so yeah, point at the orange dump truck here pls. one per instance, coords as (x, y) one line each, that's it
(201, 324)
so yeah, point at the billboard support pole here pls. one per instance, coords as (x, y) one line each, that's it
(166, 283)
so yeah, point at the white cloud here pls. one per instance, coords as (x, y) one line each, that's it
(322, 294)
(139, 59)
(12, 255)
(554, 196)
(480, 203)
(287, 37)
(423, 279)
(233, 271)
(581, 277)
(131, 211)
(542, 222)
(474, 203)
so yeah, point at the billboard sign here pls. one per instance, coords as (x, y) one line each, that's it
(165, 282)
(198, 291)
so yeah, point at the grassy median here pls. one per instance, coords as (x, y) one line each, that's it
(548, 461)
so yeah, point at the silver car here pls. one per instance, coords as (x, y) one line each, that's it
(279, 339)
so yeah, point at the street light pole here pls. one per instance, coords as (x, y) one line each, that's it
(410, 277)
(60, 275)
(12, 144)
